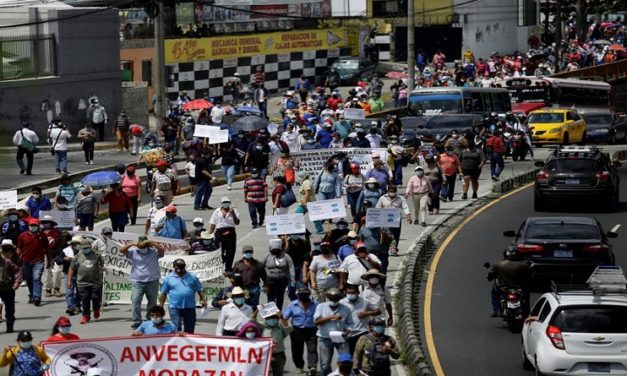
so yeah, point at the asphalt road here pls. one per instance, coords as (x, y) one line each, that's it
(469, 342)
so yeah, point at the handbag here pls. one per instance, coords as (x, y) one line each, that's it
(55, 143)
(27, 144)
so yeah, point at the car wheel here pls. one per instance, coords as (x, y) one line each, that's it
(565, 139)
(620, 136)
(526, 364)
(539, 203)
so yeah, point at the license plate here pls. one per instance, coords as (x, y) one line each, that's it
(571, 181)
(563, 253)
(599, 367)
(513, 305)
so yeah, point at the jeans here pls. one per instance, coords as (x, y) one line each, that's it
(398, 173)
(276, 290)
(263, 107)
(227, 245)
(298, 338)
(91, 297)
(257, 213)
(325, 196)
(100, 127)
(135, 205)
(253, 295)
(138, 144)
(325, 349)
(60, 160)
(203, 193)
(450, 179)
(88, 149)
(229, 173)
(435, 197)
(118, 221)
(8, 299)
(32, 274)
(72, 296)
(138, 290)
(183, 317)
(352, 198)
(291, 290)
(496, 164)
(20, 159)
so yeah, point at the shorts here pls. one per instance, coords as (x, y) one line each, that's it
(192, 181)
(85, 219)
(473, 173)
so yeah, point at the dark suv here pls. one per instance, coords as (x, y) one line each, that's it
(559, 247)
(577, 171)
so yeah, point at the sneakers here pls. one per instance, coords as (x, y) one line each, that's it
(58, 293)
(37, 302)
(228, 188)
(415, 221)
(96, 313)
(86, 163)
(71, 311)
(47, 293)
(85, 319)
(91, 163)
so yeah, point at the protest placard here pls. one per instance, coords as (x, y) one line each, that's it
(285, 224)
(161, 355)
(268, 309)
(326, 209)
(213, 133)
(389, 217)
(8, 199)
(64, 218)
(354, 113)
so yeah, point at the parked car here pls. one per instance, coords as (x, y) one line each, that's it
(353, 69)
(556, 126)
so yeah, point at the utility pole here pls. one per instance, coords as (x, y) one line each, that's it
(159, 64)
(411, 48)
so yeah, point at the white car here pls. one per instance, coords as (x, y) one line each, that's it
(581, 332)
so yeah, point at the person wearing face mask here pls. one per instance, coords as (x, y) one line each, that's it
(72, 297)
(306, 194)
(249, 330)
(301, 312)
(119, 206)
(258, 156)
(324, 271)
(88, 267)
(363, 311)
(156, 324)
(132, 187)
(355, 265)
(100, 245)
(165, 181)
(456, 142)
(13, 227)
(180, 288)
(392, 200)
(204, 243)
(360, 140)
(374, 350)
(376, 291)
(61, 331)
(12, 283)
(344, 366)
(51, 278)
(145, 274)
(256, 196)
(235, 314)
(25, 358)
(374, 137)
(222, 297)
(280, 272)
(420, 189)
(37, 202)
(252, 272)
(171, 226)
(198, 226)
(32, 246)
(450, 168)
(335, 234)
(154, 215)
(86, 208)
(67, 190)
(278, 328)
(222, 224)
(328, 184)
(433, 172)
(332, 316)
(348, 248)
(379, 173)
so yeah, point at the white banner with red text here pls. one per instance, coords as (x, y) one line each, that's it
(161, 355)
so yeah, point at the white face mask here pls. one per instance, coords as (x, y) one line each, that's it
(64, 329)
(251, 335)
(373, 280)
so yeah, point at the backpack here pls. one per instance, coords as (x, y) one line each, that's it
(6, 281)
(377, 360)
(288, 198)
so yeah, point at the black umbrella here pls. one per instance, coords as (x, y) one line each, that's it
(250, 123)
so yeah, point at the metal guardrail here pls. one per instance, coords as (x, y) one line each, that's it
(27, 56)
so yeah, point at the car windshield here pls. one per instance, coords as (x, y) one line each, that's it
(572, 166)
(435, 103)
(593, 319)
(546, 118)
(561, 231)
(346, 64)
(605, 119)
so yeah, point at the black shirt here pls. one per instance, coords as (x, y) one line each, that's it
(203, 164)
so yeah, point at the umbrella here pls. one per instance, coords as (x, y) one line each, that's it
(197, 104)
(101, 178)
(251, 109)
(250, 123)
(616, 47)
(396, 75)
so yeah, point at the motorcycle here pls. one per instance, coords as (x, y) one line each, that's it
(519, 147)
(507, 134)
(512, 308)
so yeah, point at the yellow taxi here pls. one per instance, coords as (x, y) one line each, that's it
(556, 126)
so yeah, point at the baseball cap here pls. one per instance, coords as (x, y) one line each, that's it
(345, 358)
(225, 199)
(162, 163)
(171, 209)
(198, 220)
(63, 321)
(276, 244)
(107, 230)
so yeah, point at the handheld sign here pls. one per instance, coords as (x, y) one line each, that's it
(268, 309)
(8, 199)
(376, 217)
(326, 209)
(285, 224)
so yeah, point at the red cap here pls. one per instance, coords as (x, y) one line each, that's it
(162, 163)
(171, 209)
(33, 221)
(130, 169)
(63, 321)
(137, 131)
(360, 245)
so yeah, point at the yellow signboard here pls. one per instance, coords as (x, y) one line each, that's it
(433, 12)
(198, 49)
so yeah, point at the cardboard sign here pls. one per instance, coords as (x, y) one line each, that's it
(326, 209)
(268, 309)
(64, 218)
(376, 217)
(8, 199)
(285, 224)
(161, 355)
(213, 133)
(354, 113)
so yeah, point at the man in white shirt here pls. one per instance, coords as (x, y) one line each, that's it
(217, 113)
(375, 291)
(222, 224)
(355, 265)
(234, 314)
(290, 137)
(58, 137)
(25, 140)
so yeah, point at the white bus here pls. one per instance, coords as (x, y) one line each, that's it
(458, 100)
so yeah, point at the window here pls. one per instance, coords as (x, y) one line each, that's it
(497, 103)
(536, 308)
(147, 71)
(544, 312)
(592, 319)
(527, 13)
(477, 102)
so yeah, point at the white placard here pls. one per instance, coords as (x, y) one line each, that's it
(268, 309)
(8, 199)
(64, 218)
(326, 209)
(354, 113)
(213, 133)
(377, 217)
(285, 224)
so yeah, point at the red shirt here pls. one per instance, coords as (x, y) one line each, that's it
(32, 247)
(332, 103)
(62, 337)
(495, 143)
(279, 189)
(449, 163)
(117, 203)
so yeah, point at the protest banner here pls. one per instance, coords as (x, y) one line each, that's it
(161, 355)
(213, 133)
(285, 224)
(354, 113)
(389, 217)
(314, 161)
(64, 218)
(8, 199)
(326, 209)
(268, 309)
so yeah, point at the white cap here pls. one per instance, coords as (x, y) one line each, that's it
(225, 199)
(7, 242)
(22, 207)
(276, 244)
(198, 220)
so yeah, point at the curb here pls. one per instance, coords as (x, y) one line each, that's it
(410, 278)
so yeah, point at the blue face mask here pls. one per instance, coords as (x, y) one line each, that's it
(13, 217)
(26, 345)
(226, 205)
(248, 255)
(64, 329)
(272, 322)
(353, 241)
(157, 320)
(379, 329)
(239, 301)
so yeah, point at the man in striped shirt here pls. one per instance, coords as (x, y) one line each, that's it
(256, 195)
